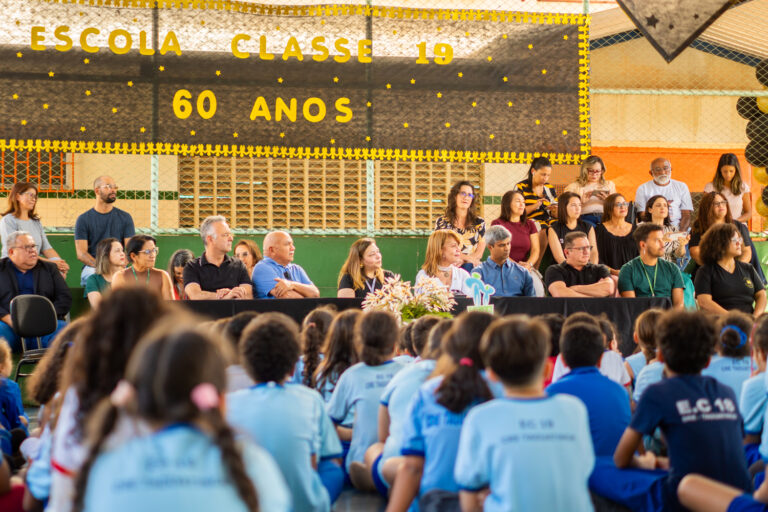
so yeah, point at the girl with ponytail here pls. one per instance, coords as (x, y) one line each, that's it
(189, 460)
(732, 365)
(430, 437)
(313, 332)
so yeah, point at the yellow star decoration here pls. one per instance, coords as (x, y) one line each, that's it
(474, 103)
(503, 36)
(161, 68)
(15, 96)
(277, 27)
(280, 80)
(86, 61)
(491, 136)
(466, 34)
(235, 135)
(333, 141)
(565, 132)
(130, 84)
(368, 104)
(565, 37)
(192, 132)
(447, 125)
(460, 74)
(368, 138)
(23, 122)
(135, 20)
(322, 22)
(509, 103)
(405, 125)
(489, 58)
(543, 71)
(18, 22)
(87, 92)
(142, 129)
(505, 79)
(282, 134)
(114, 110)
(530, 47)
(389, 86)
(19, 54)
(218, 72)
(335, 79)
(51, 73)
(202, 22)
(439, 95)
(45, 106)
(413, 80)
(394, 32)
(82, 128)
(538, 122)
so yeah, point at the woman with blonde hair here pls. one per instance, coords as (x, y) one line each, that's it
(441, 262)
(593, 189)
(362, 274)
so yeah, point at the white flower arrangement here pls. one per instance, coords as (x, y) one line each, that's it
(428, 298)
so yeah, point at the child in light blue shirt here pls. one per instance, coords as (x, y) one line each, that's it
(652, 373)
(732, 365)
(189, 460)
(526, 451)
(644, 337)
(361, 386)
(288, 420)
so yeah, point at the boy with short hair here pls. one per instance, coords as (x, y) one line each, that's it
(526, 436)
(607, 402)
(698, 416)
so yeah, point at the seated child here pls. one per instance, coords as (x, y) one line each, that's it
(694, 412)
(508, 445)
(404, 351)
(360, 387)
(555, 323)
(431, 432)
(12, 415)
(237, 377)
(701, 494)
(190, 460)
(753, 400)
(645, 339)
(732, 365)
(314, 329)
(288, 420)
(607, 402)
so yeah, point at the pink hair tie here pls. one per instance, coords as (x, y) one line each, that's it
(122, 394)
(205, 396)
(465, 361)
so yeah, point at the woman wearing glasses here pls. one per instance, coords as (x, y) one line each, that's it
(110, 259)
(21, 216)
(726, 281)
(615, 245)
(593, 189)
(714, 210)
(142, 252)
(461, 217)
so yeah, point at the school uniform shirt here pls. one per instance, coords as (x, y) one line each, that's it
(11, 407)
(752, 403)
(729, 290)
(180, 468)
(607, 405)
(238, 378)
(533, 454)
(360, 387)
(404, 359)
(290, 422)
(650, 281)
(611, 365)
(397, 397)
(637, 362)
(731, 371)
(650, 374)
(432, 432)
(700, 420)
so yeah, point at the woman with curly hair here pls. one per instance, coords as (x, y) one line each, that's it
(461, 217)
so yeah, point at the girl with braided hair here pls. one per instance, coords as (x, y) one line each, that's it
(174, 384)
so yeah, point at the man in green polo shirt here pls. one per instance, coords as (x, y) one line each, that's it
(650, 275)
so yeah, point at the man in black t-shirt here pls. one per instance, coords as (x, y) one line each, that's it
(576, 277)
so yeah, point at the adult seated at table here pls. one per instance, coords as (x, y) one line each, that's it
(362, 274)
(576, 276)
(215, 274)
(275, 277)
(650, 275)
(510, 279)
(22, 272)
(725, 283)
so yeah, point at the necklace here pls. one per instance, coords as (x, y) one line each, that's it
(136, 278)
(446, 271)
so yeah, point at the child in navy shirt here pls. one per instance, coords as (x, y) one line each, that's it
(607, 402)
(702, 494)
(732, 365)
(698, 416)
(526, 451)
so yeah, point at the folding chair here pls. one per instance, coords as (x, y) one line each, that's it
(32, 316)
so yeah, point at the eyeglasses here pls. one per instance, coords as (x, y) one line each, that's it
(737, 240)
(594, 171)
(150, 252)
(467, 194)
(622, 205)
(109, 187)
(586, 248)
(665, 169)
(31, 194)
(28, 248)
(720, 203)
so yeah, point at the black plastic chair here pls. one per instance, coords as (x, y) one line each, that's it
(32, 316)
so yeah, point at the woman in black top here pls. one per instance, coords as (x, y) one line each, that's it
(362, 274)
(567, 221)
(724, 282)
(615, 244)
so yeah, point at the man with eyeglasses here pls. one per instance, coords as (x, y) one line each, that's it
(215, 274)
(275, 276)
(22, 272)
(576, 276)
(102, 221)
(676, 193)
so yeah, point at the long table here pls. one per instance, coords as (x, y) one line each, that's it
(622, 312)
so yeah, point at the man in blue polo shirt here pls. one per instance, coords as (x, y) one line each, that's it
(275, 277)
(581, 346)
(507, 277)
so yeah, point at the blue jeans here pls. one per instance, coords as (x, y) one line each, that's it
(15, 342)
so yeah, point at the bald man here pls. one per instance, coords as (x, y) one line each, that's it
(102, 221)
(676, 193)
(275, 277)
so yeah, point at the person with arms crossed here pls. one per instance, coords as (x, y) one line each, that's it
(576, 277)
(276, 277)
